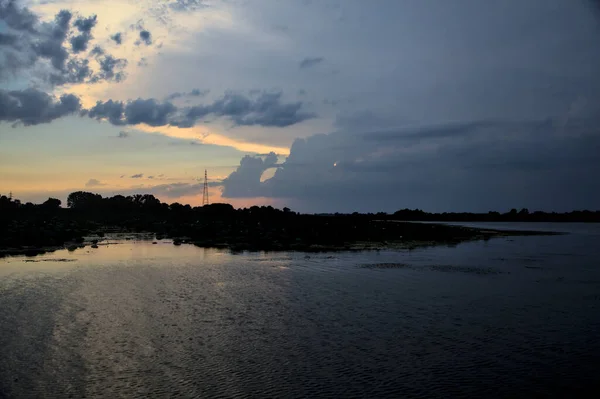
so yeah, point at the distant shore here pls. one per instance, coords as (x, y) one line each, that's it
(416, 235)
(30, 229)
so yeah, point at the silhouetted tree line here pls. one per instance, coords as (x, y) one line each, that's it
(95, 207)
(513, 215)
(264, 227)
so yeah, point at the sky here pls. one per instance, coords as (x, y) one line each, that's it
(318, 105)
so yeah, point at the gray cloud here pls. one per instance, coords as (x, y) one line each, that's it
(8, 39)
(137, 176)
(80, 42)
(192, 93)
(475, 166)
(75, 71)
(245, 180)
(187, 5)
(17, 18)
(310, 62)
(117, 38)
(32, 106)
(85, 25)
(97, 51)
(29, 41)
(108, 66)
(123, 135)
(54, 34)
(145, 37)
(149, 112)
(265, 110)
(111, 110)
(94, 183)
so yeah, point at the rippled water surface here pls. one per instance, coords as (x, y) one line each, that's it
(516, 317)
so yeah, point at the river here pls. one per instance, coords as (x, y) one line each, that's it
(509, 317)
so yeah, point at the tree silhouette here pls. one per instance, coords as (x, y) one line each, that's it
(51, 204)
(84, 200)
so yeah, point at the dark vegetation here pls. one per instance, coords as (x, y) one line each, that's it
(33, 228)
(514, 215)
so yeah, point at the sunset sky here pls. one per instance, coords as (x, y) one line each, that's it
(319, 105)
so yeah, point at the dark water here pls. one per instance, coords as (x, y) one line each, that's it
(508, 318)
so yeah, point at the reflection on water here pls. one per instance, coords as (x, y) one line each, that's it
(515, 317)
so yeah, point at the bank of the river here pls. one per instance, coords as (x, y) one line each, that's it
(323, 234)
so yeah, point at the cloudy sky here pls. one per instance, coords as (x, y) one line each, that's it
(319, 105)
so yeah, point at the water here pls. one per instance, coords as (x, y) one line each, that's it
(516, 317)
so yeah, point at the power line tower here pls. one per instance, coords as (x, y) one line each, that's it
(205, 191)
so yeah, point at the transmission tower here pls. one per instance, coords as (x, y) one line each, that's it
(205, 191)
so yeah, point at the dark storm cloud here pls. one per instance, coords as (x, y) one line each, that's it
(150, 112)
(310, 62)
(32, 106)
(145, 37)
(17, 18)
(419, 133)
(265, 110)
(8, 39)
(133, 112)
(476, 166)
(192, 93)
(117, 38)
(110, 110)
(30, 40)
(245, 180)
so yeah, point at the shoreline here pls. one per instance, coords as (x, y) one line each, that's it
(238, 244)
